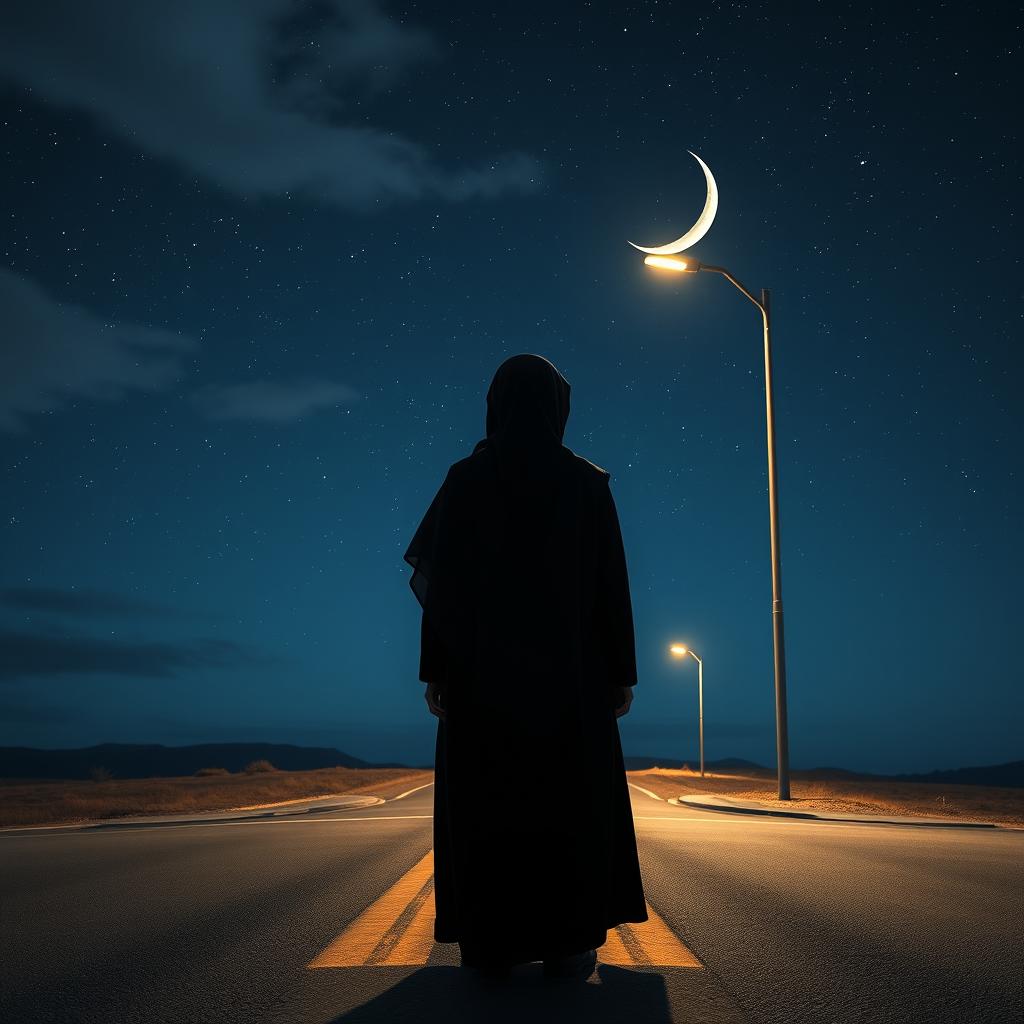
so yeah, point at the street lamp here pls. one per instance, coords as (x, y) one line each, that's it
(681, 651)
(691, 266)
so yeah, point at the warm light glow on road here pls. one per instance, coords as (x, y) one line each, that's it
(398, 930)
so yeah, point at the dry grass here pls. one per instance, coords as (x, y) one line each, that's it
(64, 801)
(996, 804)
(43, 802)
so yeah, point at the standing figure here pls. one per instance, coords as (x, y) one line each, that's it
(528, 654)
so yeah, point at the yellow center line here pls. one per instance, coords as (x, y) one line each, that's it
(386, 951)
(415, 944)
(660, 945)
(352, 948)
(398, 929)
(614, 950)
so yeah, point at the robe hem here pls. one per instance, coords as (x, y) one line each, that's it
(620, 919)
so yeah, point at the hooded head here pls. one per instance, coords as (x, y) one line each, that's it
(527, 406)
(527, 409)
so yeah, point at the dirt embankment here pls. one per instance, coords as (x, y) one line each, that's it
(43, 802)
(812, 792)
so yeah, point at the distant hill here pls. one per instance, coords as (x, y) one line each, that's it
(1009, 774)
(143, 761)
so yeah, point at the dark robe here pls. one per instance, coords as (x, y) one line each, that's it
(527, 630)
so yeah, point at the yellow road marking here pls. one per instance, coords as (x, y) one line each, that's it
(660, 945)
(398, 929)
(358, 941)
(613, 951)
(415, 945)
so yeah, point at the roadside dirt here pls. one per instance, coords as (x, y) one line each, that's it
(51, 802)
(993, 804)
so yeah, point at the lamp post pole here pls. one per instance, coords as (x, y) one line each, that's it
(700, 709)
(690, 265)
(778, 633)
(680, 651)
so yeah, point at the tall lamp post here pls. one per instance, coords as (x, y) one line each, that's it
(692, 266)
(681, 651)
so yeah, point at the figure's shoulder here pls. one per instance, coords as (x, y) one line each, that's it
(462, 466)
(587, 468)
(479, 464)
(469, 468)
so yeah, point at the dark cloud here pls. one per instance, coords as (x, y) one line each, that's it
(78, 602)
(53, 353)
(26, 655)
(18, 713)
(270, 400)
(246, 93)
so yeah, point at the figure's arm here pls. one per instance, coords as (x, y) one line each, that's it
(432, 668)
(432, 659)
(624, 701)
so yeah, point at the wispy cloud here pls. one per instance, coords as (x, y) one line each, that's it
(272, 401)
(76, 601)
(254, 95)
(53, 353)
(25, 655)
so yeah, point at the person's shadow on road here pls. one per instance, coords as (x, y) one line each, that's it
(450, 994)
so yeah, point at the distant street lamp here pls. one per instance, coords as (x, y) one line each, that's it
(681, 651)
(692, 266)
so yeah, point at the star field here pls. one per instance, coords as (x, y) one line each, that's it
(253, 312)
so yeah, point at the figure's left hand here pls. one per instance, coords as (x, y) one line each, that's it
(433, 699)
(627, 699)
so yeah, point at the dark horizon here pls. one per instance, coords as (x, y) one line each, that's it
(633, 759)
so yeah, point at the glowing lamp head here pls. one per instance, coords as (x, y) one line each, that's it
(679, 650)
(687, 266)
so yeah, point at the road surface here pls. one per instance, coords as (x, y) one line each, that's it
(326, 917)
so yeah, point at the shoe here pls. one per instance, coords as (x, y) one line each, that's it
(577, 966)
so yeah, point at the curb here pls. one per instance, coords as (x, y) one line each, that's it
(704, 804)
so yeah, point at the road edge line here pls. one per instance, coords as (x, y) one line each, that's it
(646, 792)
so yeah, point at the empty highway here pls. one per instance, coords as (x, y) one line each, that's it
(326, 917)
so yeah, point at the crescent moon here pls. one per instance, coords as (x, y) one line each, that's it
(699, 229)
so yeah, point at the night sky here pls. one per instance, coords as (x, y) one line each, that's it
(261, 259)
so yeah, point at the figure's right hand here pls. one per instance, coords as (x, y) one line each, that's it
(625, 699)
(433, 699)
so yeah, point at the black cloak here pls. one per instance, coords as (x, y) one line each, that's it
(527, 630)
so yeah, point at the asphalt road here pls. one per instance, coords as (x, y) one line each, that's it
(792, 921)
